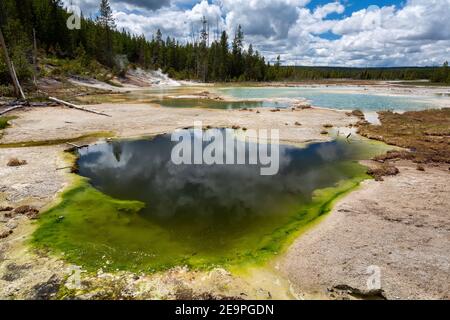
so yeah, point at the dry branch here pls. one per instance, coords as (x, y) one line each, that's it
(71, 105)
(11, 109)
(77, 146)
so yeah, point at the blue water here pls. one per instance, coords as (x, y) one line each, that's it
(218, 104)
(334, 98)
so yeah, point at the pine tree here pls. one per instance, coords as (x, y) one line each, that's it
(105, 18)
(238, 43)
(203, 50)
(278, 63)
(159, 36)
(223, 57)
(106, 21)
(446, 72)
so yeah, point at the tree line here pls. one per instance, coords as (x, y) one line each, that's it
(98, 41)
(299, 73)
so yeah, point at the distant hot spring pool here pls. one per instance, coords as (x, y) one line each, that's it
(340, 98)
(131, 208)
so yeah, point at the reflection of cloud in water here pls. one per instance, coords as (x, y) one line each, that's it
(142, 170)
(327, 152)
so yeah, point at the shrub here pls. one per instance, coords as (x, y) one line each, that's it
(3, 123)
(14, 162)
(384, 170)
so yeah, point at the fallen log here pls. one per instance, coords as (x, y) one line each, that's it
(77, 146)
(11, 109)
(13, 103)
(73, 145)
(22, 104)
(72, 106)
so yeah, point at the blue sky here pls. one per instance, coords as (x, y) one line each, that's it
(356, 5)
(350, 7)
(306, 32)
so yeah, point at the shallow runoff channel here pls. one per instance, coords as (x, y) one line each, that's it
(132, 208)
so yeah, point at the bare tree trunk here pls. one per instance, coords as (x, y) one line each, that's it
(21, 95)
(35, 57)
(17, 88)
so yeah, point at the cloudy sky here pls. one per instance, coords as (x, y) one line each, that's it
(304, 32)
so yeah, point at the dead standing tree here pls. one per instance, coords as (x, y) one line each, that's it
(17, 88)
(204, 44)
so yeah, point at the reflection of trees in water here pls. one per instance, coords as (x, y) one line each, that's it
(117, 149)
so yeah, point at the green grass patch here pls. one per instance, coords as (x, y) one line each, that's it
(3, 123)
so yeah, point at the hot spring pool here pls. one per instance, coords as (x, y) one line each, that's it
(131, 208)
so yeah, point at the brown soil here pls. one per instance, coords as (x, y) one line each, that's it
(425, 133)
(383, 170)
(400, 225)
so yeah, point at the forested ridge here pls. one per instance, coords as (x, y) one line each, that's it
(98, 45)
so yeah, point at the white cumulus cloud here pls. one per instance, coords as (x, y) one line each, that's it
(416, 33)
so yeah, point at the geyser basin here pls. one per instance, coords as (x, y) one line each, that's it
(138, 211)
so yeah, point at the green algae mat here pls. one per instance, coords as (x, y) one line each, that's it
(133, 209)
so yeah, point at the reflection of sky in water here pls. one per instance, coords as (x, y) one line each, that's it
(200, 194)
(335, 98)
